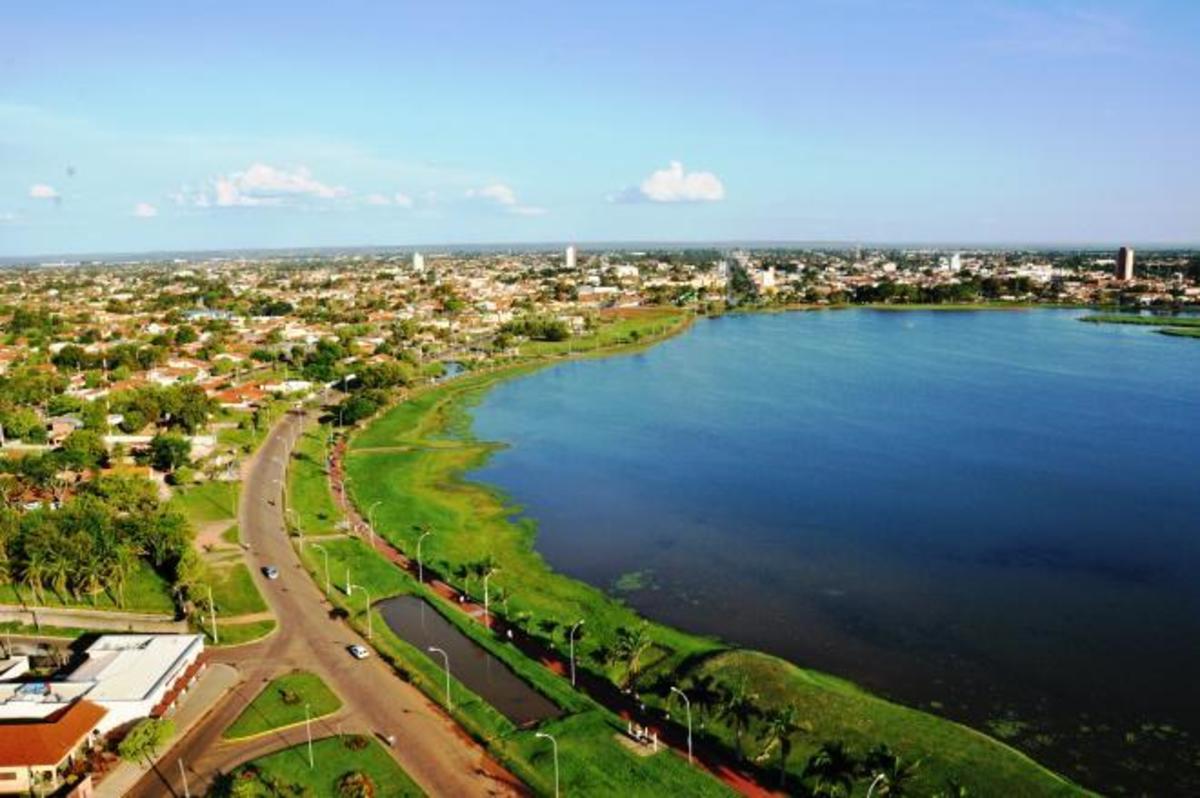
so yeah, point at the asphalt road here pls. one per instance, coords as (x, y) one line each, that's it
(429, 746)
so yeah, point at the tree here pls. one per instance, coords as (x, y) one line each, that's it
(144, 739)
(896, 772)
(169, 451)
(629, 647)
(738, 711)
(831, 769)
(82, 449)
(781, 724)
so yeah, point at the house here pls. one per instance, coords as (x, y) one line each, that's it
(36, 752)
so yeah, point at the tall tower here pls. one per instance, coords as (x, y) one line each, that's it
(571, 257)
(1124, 269)
(418, 263)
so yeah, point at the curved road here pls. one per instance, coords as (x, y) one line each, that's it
(431, 748)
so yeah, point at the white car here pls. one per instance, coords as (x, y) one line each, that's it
(271, 572)
(359, 652)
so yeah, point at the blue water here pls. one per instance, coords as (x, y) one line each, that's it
(995, 515)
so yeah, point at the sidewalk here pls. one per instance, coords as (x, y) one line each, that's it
(217, 680)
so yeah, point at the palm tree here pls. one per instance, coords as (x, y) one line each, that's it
(831, 769)
(896, 773)
(629, 647)
(33, 572)
(738, 710)
(120, 565)
(781, 724)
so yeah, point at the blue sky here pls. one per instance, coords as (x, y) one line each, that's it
(137, 126)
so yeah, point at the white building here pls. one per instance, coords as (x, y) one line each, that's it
(129, 676)
(418, 262)
(571, 255)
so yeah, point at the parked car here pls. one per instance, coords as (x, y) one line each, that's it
(359, 652)
(270, 572)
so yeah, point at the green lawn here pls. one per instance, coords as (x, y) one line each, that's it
(411, 460)
(308, 485)
(234, 591)
(236, 634)
(232, 536)
(145, 591)
(207, 502)
(1181, 332)
(275, 773)
(1163, 320)
(282, 703)
(613, 330)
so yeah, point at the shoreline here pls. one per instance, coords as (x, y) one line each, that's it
(447, 418)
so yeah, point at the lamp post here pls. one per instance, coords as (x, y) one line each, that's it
(212, 608)
(326, 553)
(420, 562)
(487, 621)
(183, 775)
(688, 705)
(371, 521)
(368, 610)
(446, 659)
(308, 732)
(878, 778)
(571, 641)
(553, 743)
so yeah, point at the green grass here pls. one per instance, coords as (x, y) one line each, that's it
(333, 760)
(145, 591)
(15, 628)
(237, 634)
(207, 502)
(412, 458)
(232, 536)
(234, 591)
(282, 703)
(1181, 332)
(613, 330)
(834, 709)
(308, 486)
(1148, 321)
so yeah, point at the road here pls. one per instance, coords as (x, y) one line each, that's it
(438, 755)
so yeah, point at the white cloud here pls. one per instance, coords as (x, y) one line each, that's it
(506, 198)
(42, 191)
(260, 184)
(398, 199)
(674, 184)
(497, 192)
(145, 210)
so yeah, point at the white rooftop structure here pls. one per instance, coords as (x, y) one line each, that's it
(129, 675)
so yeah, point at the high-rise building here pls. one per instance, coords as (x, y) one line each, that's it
(418, 262)
(571, 257)
(1124, 270)
(956, 262)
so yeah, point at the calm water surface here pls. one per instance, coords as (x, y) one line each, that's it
(994, 515)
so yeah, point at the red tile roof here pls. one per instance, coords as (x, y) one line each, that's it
(47, 741)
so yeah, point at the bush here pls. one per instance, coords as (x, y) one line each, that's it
(182, 476)
(356, 742)
(355, 784)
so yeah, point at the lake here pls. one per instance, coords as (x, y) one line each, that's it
(991, 515)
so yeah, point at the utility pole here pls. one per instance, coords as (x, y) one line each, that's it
(212, 608)
(183, 775)
(308, 731)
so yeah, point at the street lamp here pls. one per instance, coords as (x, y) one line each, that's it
(371, 521)
(878, 778)
(326, 553)
(553, 743)
(446, 659)
(308, 731)
(212, 608)
(688, 705)
(571, 641)
(420, 563)
(487, 621)
(368, 595)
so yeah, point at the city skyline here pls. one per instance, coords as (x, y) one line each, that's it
(146, 129)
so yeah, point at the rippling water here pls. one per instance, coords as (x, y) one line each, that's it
(995, 515)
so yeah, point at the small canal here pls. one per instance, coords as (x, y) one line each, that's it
(413, 620)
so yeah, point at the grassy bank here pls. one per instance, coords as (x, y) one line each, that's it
(282, 703)
(1178, 326)
(287, 772)
(411, 460)
(308, 486)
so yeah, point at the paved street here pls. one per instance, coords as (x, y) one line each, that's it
(430, 747)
